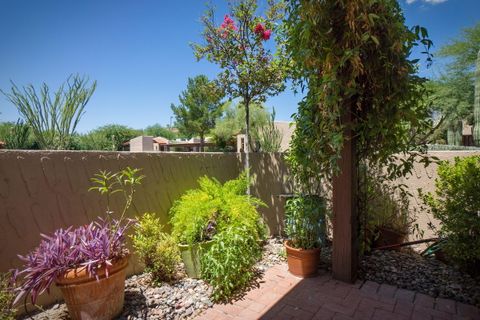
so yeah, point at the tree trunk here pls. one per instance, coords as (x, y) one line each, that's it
(202, 142)
(247, 143)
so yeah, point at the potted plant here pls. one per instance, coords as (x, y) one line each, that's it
(201, 215)
(87, 263)
(304, 226)
(389, 220)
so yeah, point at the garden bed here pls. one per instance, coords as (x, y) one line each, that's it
(411, 271)
(181, 299)
(426, 275)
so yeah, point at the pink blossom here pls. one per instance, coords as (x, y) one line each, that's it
(228, 23)
(259, 29)
(266, 34)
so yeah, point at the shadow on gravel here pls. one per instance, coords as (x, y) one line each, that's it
(135, 305)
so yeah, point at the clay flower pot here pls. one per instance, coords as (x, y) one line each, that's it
(388, 237)
(302, 263)
(87, 298)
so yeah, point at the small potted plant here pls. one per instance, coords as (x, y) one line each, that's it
(87, 263)
(304, 226)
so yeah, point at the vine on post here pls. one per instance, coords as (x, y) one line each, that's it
(355, 55)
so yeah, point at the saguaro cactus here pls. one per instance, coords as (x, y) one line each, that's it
(454, 133)
(476, 105)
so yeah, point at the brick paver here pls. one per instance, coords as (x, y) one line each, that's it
(281, 295)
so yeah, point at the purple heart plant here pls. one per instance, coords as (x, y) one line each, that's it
(92, 246)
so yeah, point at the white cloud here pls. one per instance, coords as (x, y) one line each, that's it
(427, 1)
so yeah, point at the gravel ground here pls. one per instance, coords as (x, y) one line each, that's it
(181, 299)
(411, 271)
(427, 275)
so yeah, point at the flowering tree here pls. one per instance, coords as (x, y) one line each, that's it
(240, 45)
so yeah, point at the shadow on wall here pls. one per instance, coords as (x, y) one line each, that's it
(41, 191)
(271, 183)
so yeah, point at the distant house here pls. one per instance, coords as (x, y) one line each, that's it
(149, 143)
(286, 129)
(467, 134)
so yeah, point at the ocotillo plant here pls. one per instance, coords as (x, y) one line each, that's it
(476, 105)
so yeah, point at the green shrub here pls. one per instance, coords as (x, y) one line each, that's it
(229, 217)
(157, 249)
(228, 264)
(305, 221)
(6, 298)
(201, 213)
(456, 203)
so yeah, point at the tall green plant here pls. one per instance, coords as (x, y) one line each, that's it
(18, 137)
(200, 105)
(53, 118)
(305, 221)
(232, 123)
(476, 105)
(268, 137)
(463, 53)
(250, 70)
(228, 264)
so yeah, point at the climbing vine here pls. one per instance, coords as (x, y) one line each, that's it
(354, 56)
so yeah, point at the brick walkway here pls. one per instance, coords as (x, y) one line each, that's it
(283, 296)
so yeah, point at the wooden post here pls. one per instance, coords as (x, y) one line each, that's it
(345, 242)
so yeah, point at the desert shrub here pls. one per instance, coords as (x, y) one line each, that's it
(6, 298)
(157, 249)
(305, 221)
(228, 264)
(456, 203)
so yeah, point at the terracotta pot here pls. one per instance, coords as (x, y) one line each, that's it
(302, 263)
(87, 298)
(388, 237)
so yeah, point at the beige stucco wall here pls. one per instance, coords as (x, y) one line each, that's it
(141, 143)
(41, 191)
(424, 178)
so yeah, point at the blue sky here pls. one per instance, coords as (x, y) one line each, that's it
(138, 51)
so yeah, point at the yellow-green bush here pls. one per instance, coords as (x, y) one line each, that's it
(456, 203)
(6, 298)
(157, 249)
